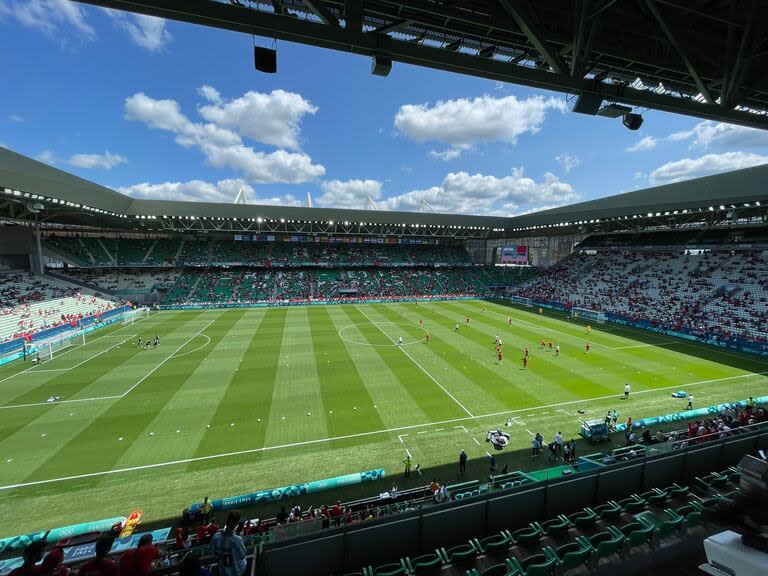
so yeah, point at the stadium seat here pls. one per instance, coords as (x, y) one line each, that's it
(507, 568)
(393, 569)
(530, 533)
(637, 533)
(495, 543)
(632, 504)
(461, 553)
(556, 526)
(574, 554)
(425, 564)
(608, 511)
(538, 564)
(606, 544)
(584, 518)
(669, 525)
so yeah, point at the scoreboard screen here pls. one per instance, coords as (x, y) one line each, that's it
(511, 256)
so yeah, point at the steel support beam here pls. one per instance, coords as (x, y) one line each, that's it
(522, 18)
(679, 49)
(269, 25)
(321, 12)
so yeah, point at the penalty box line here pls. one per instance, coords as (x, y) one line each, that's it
(116, 396)
(346, 437)
(417, 363)
(76, 348)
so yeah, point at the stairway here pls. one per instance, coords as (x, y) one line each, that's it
(146, 256)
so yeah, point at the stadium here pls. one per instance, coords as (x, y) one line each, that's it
(579, 389)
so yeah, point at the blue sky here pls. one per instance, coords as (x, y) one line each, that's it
(168, 110)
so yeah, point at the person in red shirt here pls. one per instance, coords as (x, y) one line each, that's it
(525, 361)
(501, 356)
(32, 554)
(212, 528)
(201, 534)
(52, 564)
(138, 561)
(101, 566)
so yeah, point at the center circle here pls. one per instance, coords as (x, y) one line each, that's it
(360, 339)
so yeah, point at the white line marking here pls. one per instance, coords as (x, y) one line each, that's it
(148, 374)
(544, 413)
(489, 454)
(417, 364)
(113, 397)
(439, 429)
(198, 348)
(566, 411)
(422, 432)
(409, 454)
(346, 437)
(46, 370)
(463, 428)
(665, 343)
(401, 436)
(75, 348)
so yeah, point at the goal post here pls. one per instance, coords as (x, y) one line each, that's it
(527, 302)
(132, 316)
(51, 347)
(589, 315)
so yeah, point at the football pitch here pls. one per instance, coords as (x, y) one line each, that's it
(234, 401)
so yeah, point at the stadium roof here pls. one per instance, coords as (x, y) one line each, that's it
(33, 190)
(701, 58)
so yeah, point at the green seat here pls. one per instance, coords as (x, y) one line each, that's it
(494, 543)
(632, 504)
(505, 569)
(733, 474)
(425, 564)
(606, 544)
(637, 533)
(654, 496)
(460, 553)
(691, 515)
(583, 519)
(574, 554)
(676, 490)
(530, 533)
(556, 526)
(393, 569)
(538, 564)
(608, 511)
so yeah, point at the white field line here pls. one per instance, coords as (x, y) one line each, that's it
(407, 452)
(148, 374)
(417, 364)
(665, 343)
(476, 442)
(75, 348)
(198, 348)
(112, 397)
(349, 436)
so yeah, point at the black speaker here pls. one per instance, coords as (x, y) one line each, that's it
(588, 103)
(265, 59)
(381, 65)
(633, 121)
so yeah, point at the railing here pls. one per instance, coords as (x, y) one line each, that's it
(344, 547)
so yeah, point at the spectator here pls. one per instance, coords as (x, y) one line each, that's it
(101, 565)
(138, 561)
(52, 564)
(205, 509)
(32, 554)
(462, 462)
(229, 548)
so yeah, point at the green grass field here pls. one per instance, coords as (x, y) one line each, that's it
(241, 400)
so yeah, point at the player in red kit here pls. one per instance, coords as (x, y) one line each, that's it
(467, 320)
(525, 361)
(509, 321)
(500, 356)
(587, 348)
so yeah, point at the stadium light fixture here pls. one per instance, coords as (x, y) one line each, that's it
(259, 220)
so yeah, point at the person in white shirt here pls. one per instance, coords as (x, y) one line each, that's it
(690, 402)
(627, 390)
(400, 341)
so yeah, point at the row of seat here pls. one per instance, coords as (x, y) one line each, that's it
(585, 539)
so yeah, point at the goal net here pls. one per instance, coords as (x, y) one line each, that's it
(135, 315)
(48, 349)
(590, 315)
(527, 302)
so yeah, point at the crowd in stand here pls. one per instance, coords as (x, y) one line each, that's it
(715, 293)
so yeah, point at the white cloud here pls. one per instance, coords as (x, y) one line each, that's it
(643, 145)
(209, 93)
(688, 168)
(568, 161)
(147, 32)
(107, 161)
(47, 157)
(680, 136)
(709, 133)
(638, 175)
(349, 193)
(267, 118)
(222, 146)
(202, 191)
(469, 121)
(463, 193)
(449, 153)
(50, 17)
(16, 118)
